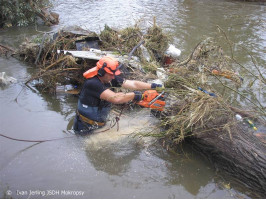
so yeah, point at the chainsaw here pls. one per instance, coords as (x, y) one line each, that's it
(152, 99)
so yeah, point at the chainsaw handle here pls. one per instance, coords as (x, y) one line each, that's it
(152, 101)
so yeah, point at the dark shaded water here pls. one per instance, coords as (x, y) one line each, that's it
(113, 164)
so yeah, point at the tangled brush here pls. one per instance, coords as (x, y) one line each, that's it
(193, 110)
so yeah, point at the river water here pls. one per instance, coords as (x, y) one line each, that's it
(113, 164)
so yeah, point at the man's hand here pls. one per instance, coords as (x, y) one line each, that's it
(158, 87)
(138, 96)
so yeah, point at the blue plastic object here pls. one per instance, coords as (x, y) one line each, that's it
(205, 91)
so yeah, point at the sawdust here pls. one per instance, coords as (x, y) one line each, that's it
(128, 127)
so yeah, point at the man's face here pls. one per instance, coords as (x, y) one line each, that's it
(108, 77)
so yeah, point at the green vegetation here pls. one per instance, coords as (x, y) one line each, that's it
(20, 12)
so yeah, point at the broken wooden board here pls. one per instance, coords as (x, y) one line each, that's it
(96, 54)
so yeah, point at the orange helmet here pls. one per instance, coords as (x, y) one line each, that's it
(105, 64)
(109, 65)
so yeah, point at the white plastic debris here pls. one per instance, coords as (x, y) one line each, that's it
(64, 88)
(5, 80)
(161, 74)
(173, 51)
(157, 81)
(239, 118)
(145, 53)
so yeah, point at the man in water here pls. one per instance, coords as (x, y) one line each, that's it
(98, 94)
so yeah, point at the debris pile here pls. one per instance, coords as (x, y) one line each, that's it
(194, 84)
(63, 57)
(198, 103)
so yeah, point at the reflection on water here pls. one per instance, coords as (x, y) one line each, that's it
(189, 170)
(112, 158)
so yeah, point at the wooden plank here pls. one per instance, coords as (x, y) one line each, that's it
(93, 54)
(96, 54)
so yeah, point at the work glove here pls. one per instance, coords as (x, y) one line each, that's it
(158, 87)
(138, 96)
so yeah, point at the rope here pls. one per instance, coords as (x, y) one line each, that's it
(117, 118)
(22, 140)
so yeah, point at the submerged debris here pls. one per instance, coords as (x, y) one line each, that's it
(6, 51)
(5, 80)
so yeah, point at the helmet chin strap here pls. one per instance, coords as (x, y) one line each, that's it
(103, 79)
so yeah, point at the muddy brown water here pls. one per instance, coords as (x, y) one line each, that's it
(114, 164)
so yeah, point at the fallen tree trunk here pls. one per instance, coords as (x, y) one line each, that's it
(234, 148)
(241, 158)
